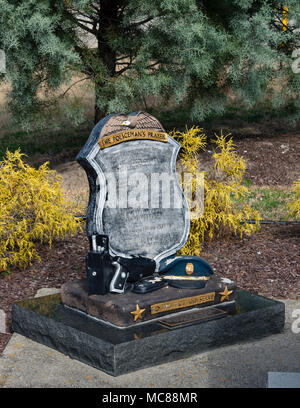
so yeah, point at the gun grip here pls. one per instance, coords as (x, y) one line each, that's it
(118, 282)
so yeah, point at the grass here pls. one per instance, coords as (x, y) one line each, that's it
(270, 201)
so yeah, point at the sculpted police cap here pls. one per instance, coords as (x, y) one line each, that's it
(185, 271)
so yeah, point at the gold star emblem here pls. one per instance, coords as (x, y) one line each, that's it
(225, 294)
(137, 313)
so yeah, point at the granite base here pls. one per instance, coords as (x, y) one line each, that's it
(118, 351)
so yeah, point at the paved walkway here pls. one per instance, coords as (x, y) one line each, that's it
(29, 364)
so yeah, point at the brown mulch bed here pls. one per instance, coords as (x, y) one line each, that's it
(270, 160)
(266, 263)
(64, 262)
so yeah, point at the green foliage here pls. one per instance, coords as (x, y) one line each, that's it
(33, 209)
(188, 51)
(223, 185)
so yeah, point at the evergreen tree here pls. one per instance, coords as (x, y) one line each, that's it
(189, 51)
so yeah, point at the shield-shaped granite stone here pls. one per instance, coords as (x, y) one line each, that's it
(135, 195)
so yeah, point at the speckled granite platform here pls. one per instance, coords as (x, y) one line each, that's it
(118, 351)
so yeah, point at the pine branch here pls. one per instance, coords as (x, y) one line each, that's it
(123, 69)
(74, 83)
(95, 8)
(85, 21)
(283, 25)
(146, 20)
(85, 28)
(153, 65)
(123, 57)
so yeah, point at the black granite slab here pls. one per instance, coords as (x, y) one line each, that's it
(119, 351)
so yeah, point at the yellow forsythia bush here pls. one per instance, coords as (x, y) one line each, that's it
(294, 204)
(222, 186)
(33, 209)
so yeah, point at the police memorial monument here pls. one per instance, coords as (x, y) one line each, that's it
(141, 303)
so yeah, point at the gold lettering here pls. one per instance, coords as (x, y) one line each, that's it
(132, 134)
(182, 303)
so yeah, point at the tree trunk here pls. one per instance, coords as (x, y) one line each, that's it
(99, 113)
(108, 22)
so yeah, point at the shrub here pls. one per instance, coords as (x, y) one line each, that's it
(223, 184)
(294, 204)
(33, 209)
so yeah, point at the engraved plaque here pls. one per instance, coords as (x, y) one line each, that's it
(135, 195)
(182, 303)
(193, 317)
